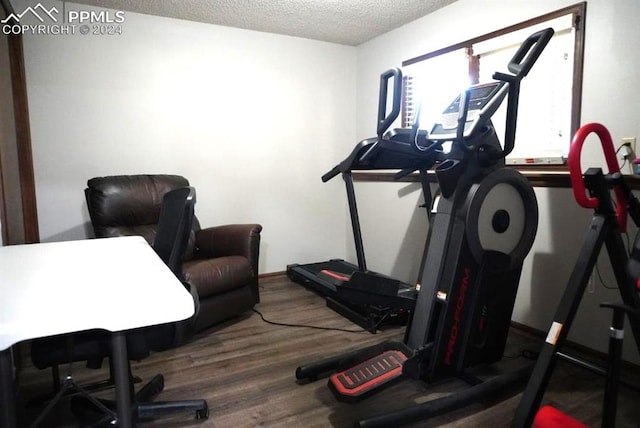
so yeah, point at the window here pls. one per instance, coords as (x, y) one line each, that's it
(549, 107)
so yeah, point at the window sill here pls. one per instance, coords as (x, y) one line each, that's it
(549, 176)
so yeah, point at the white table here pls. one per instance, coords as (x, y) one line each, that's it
(115, 284)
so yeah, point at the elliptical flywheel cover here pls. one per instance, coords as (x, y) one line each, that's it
(502, 215)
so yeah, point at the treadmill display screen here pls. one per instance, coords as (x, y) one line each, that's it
(483, 99)
(478, 97)
(482, 92)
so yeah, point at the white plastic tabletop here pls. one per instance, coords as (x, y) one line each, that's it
(61, 287)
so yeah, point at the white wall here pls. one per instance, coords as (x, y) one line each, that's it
(251, 119)
(166, 97)
(610, 96)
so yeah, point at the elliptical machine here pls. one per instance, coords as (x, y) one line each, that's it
(484, 224)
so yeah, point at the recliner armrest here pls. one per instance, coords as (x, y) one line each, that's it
(229, 240)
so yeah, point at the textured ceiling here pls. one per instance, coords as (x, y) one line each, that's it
(349, 22)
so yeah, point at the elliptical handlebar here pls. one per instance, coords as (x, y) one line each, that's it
(463, 111)
(520, 65)
(528, 52)
(513, 97)
(485, 105)
(575, 170)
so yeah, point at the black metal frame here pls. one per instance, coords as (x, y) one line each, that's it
(604, 230)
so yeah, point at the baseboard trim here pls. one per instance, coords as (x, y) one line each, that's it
(270, 275)
(593, 355)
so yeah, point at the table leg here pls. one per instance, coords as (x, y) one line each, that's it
(121, 379)
(7, 396)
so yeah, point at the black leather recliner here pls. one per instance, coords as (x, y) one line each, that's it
(221, 261)
(170, 242)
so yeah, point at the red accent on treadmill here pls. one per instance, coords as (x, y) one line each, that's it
(335, 275)
(369, 374)
(638, 284)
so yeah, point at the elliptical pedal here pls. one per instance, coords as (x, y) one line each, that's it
(354, 384)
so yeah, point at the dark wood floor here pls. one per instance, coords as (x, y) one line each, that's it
(245, 370)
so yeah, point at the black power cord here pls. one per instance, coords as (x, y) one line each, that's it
(306, 325)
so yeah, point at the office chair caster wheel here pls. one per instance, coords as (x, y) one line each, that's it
(202, 413)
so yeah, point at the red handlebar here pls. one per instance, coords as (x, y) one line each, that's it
(575, 169)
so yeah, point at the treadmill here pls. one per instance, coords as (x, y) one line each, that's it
(367, 298)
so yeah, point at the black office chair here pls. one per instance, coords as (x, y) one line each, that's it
(172, 235)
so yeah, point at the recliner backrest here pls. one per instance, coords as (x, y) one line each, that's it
(130, 205)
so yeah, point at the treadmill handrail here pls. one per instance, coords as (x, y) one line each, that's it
(329, 175)
(385, 120)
